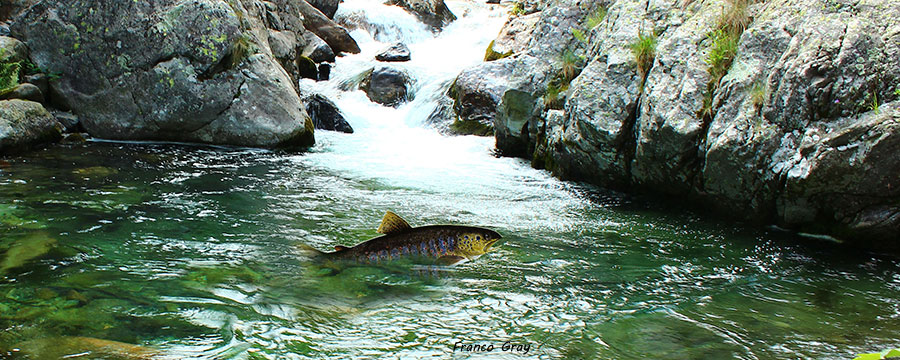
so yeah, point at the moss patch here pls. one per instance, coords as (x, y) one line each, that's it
(491, 55)
(461, 127)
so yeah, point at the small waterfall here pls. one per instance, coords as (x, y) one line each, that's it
(437, 58)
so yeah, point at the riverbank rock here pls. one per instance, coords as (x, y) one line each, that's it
(508, 93)
(198, 71)
(333, 34)
(24, 91)
(316, 49)
(388, 86)
(434, 13)
(12, 50)
(327, 7)
(395, 53)
(797, 132)
(325, 114)
(24, 124)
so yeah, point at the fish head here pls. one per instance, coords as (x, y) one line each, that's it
(477, 241)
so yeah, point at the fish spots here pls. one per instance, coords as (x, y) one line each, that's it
(395, 253)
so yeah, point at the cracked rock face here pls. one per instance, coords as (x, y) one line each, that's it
(802, 130)
(193, 71)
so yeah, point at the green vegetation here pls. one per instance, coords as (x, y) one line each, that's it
(722, 50)
(595, 18)
(555, 88)
(758, 95)
(897, 91)
(644, 51)
(240, 51)
(471, 127)
(873, 103)
(579, 35)
(887, 354)
(723, 45)
(571, 64)
(491, 55)
(517, 9)
(9, 75)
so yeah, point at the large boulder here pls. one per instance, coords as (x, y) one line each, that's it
(434, 13)
(327, 7)
(316, 49)
(388, 86)
(196, 71)
(800, 131)
(333, 34)
(12, 50)
(508, 93)
(24, 124)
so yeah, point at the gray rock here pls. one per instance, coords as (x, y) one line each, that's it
(160, 74)
(24, 124)
(434, 13)
(12, 50)
(25, 91)
(4, 29)
(514, 37)
(333, 34)
(395, 53)
(327, 7)
(42, 81)
(325, 114)
(69, 121)
(316, 49)
(388, 86)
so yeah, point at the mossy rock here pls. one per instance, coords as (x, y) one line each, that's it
(471, 127)
(491, 55)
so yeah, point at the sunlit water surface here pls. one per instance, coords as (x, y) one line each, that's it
(192, 252)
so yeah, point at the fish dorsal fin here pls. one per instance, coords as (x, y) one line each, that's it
(392, 223)
(340, 248)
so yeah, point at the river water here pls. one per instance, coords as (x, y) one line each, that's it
(193, 252)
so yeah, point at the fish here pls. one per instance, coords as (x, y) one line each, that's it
(441, 244)
(79, 346)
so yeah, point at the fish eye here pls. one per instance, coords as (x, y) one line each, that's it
(478, 238)
(467, 237)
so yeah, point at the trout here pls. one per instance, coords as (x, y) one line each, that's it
(443, 244)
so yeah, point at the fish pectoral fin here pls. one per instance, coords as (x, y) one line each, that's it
(450, 259)
(340, 248)
(392, 223)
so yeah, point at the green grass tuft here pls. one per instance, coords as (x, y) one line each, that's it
(579, 35)
(570, 63)
(722, 50)
(758, 95)
(735, 18)
(644, 51)
(552, 99)
(595, 18)
(517, 9)
(240, 51)
(873, 103)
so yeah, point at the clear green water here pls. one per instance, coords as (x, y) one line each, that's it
(193, 252)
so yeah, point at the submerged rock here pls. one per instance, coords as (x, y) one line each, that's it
(388, 86)
(24, 124)
(434, 13)
(325, 114)
(397, 52)
(26, 249)
(164, 72)
(67, 346)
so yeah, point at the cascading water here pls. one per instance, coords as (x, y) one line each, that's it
(193, 252)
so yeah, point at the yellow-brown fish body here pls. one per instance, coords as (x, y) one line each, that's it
(445, 244)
